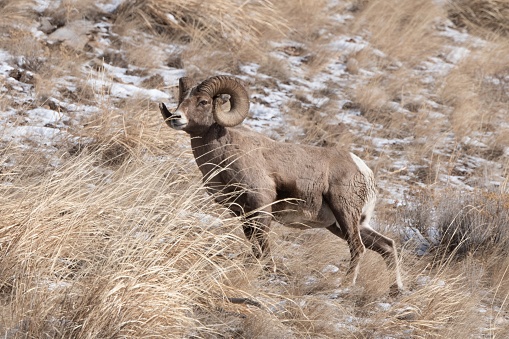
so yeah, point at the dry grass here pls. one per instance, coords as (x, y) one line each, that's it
(15, 12)
(477, 89)
(305, 18)
(372, 99)
(209, 23)
(66, 11)
(481, 15)
(119, 239)
(202, 61)
(462, 224)
(406, 29)
(89, 238)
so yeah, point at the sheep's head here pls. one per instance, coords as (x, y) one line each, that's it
(200, 106)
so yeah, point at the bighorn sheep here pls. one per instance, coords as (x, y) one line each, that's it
(257, 177)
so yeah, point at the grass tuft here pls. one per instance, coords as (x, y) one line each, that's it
(488, 15)
(229, 22)
(463, 223)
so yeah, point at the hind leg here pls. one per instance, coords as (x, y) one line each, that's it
(386, 248)
(348, 230)
(381, 244)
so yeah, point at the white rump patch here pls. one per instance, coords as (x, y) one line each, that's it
(361, 165)
(369, 206)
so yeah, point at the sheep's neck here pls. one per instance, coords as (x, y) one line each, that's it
(204, 139)
(205, 144)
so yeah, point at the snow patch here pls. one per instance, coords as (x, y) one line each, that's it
(110, 6)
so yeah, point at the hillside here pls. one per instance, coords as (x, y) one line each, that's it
(106, 230)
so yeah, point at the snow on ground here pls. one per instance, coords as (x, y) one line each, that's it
(20, 122)
(269, 105)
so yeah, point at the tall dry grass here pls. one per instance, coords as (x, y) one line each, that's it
(15, 12)
(119, 239)
(122, 240)
(404, 30)
(481, 15)
(468, 236)
(229, 22)
(102, 248)
(477, 90)
(462, 224)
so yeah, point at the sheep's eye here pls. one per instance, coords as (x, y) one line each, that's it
(203, 102)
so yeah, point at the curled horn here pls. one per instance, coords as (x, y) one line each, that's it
(167, 115)
(239, 99)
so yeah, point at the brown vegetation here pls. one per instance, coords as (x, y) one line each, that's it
(106, 231)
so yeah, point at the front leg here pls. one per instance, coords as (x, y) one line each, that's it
(257, 218)
(256, 228)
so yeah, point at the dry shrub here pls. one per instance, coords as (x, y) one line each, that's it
(309, 24)
(490, 15)
(496, 270)
(402, 29)
(122, 133)
(142, 54)
(276, 67)
(439, 308)
(201, 61)
(377, 106)
(319, 57)
(40, 65)
(461, 91)
(462, 223)
(363, 59)
(403, 85)
(31, 54)
(371, 98)
(260, 324)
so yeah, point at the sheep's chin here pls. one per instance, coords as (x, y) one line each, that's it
(178, 125)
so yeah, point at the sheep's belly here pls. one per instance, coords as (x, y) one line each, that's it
(287, 215)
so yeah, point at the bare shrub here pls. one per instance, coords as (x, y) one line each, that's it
(462, 223)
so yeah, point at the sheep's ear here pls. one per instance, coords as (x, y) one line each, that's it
(221, 99)
(184, 85)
